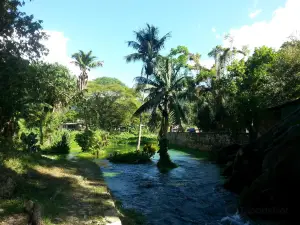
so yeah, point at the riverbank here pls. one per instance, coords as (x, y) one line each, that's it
(68, 191)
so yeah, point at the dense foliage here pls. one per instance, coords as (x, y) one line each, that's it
(37, 98)
(234, 98)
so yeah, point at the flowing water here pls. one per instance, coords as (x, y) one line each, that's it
(190, 194)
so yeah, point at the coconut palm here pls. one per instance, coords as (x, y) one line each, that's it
(147, 46)
(223, 56)
(166, 89)
(85, 62)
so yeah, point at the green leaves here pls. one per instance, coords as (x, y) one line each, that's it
(147, 46)
(165, 88)
(85, 62)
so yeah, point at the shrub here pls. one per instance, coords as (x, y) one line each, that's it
(91, 140)
(149, 150)
(135, 157)
(61, 147)
(30, 142)
(85, 140)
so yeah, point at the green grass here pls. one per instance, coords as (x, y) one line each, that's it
(133, 157)
(122, 143)
(63, 188)
(201, 155)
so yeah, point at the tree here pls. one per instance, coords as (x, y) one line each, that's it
(49, 87)
(85, 62)
(147, 46)
(108, 81)
(108, 106)
(166, 89)
(286, 72)
(20, 33)
(21, 38)
(252, 89)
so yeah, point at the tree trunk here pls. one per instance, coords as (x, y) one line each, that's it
(164, 158)
(140, 134)
(41, 133)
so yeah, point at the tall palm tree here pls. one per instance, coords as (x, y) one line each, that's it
(166, 89)
(147, 46)
(85, 62)
(223, 56)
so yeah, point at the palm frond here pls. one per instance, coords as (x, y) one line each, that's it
(133, 57)
(145, 81)
(149, 104)
(96, 64)
(135, 45)
(162, 41)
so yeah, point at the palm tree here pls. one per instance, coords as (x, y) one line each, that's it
(147, 46)
(166, 89)
(223, 56)
(85, 62)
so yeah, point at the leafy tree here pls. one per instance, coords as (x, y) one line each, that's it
(49, 87)
(20, 38)
(15, 26)
(147, 46)
(166, 89)
(108, 107)
(108, 81)
(85, 62)
(286, 79)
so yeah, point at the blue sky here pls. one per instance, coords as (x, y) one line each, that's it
(105, 26)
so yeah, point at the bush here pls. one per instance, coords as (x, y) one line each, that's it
(30, 141)
(149, 150)
(61, 147)
(135, 157)
(85, 140)
(91, 140)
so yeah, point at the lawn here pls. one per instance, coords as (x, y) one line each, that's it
(69, 191)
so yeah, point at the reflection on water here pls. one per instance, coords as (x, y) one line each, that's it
(189, 194)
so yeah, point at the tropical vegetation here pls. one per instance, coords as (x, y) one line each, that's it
(39, 98)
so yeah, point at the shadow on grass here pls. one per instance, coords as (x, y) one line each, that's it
(64, 189)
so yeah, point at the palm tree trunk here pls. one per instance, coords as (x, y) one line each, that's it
(140, 134)
(140, 128)
(164, 158)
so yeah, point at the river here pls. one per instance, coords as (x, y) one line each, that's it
(190, 194)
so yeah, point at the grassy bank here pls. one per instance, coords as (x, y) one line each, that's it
(69, 192)
(118, 143)
(203, 155)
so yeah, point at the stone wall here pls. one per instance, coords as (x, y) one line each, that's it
(203, 141)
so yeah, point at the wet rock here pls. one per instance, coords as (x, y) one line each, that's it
(267, 174)
(226, 154)
(228, 169)
(111, 217)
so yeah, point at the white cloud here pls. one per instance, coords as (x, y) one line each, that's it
(254, 14)
(213, 30)
(57, 44)
(284, 22)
